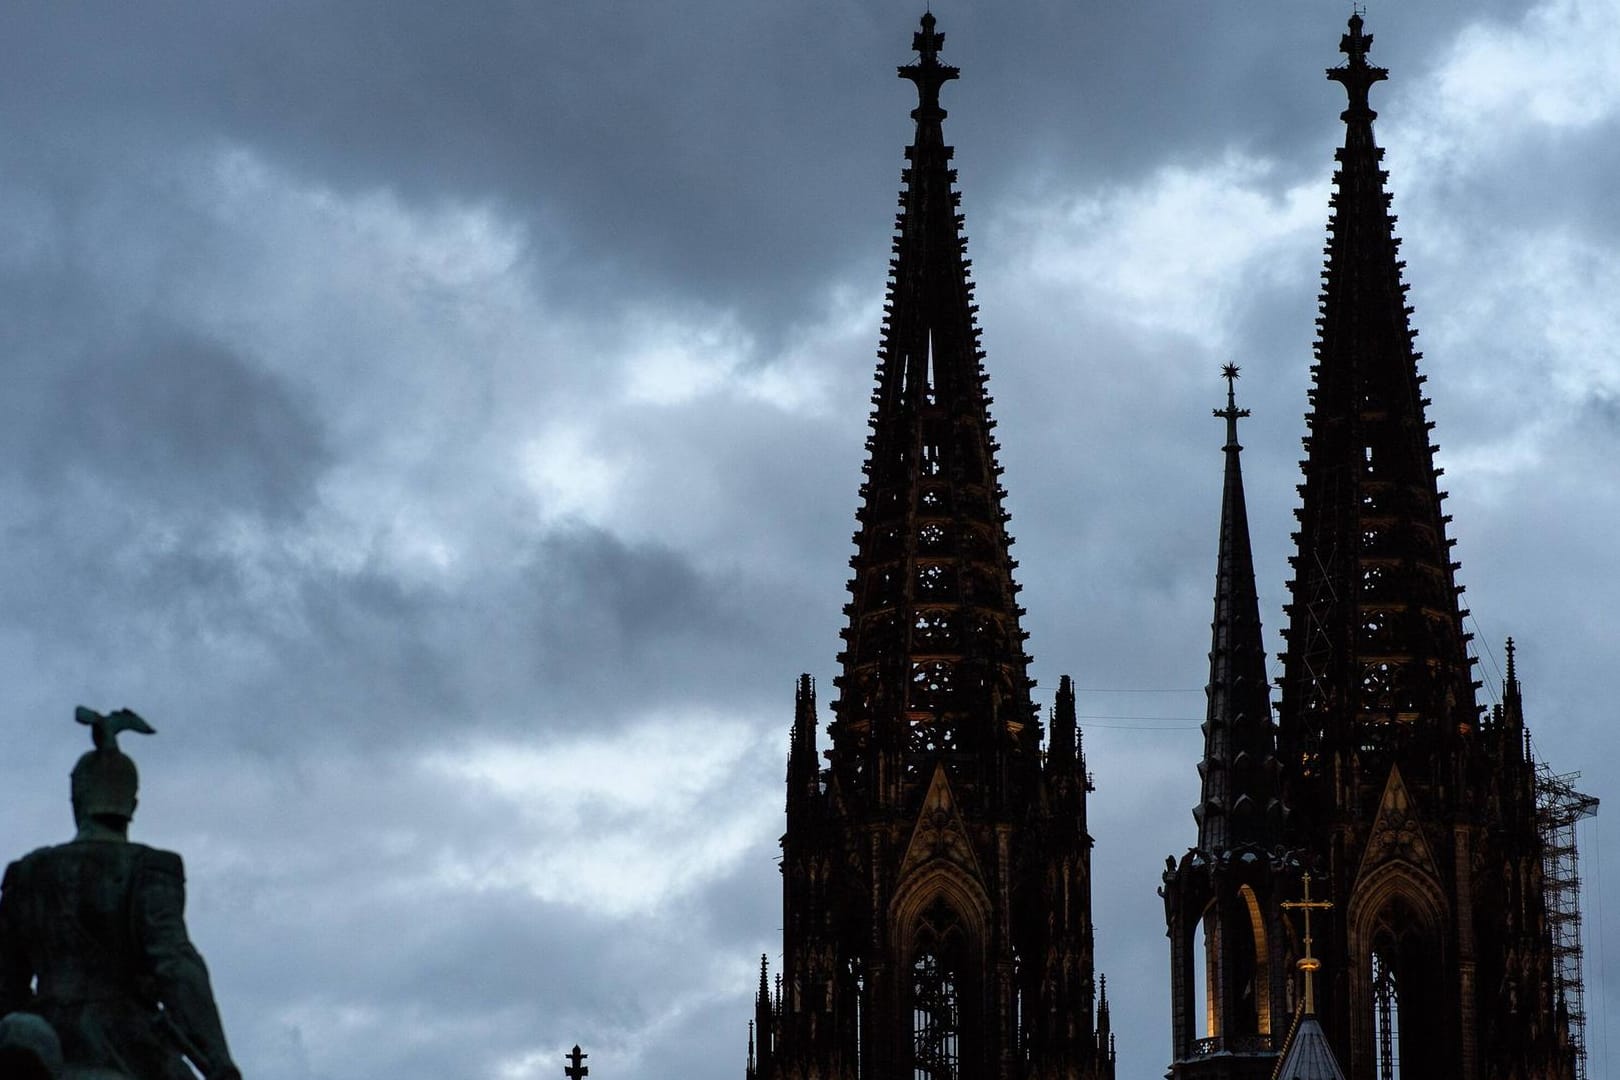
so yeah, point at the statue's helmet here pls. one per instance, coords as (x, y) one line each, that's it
(104, 784)
(29, 1047)
(104, 780)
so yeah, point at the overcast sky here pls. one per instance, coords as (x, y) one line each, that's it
(443, 422)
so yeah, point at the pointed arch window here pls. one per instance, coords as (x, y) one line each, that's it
(1206, 969)
(1402, 993)
(1386, 1018)
(936, 985)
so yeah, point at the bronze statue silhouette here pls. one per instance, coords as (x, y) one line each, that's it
(93, 938)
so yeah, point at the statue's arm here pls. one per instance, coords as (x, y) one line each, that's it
(176, 966)
(16, 976)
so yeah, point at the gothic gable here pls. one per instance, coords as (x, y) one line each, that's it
(1396, 835)
(940, 834)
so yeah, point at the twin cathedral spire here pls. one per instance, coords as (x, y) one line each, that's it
(937, 875)
(937, 870)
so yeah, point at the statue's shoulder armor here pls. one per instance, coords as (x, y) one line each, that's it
(29, 863)
(18, 873)
(151, 860)
(27, 870)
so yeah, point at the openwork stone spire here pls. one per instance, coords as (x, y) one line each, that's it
(1376, 654)
(1239, 799)
(936, 876)
(934, 667)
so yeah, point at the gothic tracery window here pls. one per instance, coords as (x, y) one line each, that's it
(1386, 1018)
(936, 1008)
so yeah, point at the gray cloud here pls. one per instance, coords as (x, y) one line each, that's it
(328, 334)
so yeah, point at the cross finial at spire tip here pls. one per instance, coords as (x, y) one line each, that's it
(1356, 74)
(928, 73)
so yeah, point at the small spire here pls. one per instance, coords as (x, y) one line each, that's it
(1238, 793)
(1511, 711)
(804, 766)
(764, 977)
(1356, 75)
(1065, 741)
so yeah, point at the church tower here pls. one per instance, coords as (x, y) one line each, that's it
(1415, 810)
(937, 869)
(1227, 889)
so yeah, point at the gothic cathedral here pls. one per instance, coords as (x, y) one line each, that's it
(1381, 778)
(937, 873)
(937, 869)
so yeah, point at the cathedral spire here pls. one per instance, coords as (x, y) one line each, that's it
(936, 875)
(1238, 768)
(1376, 654)
(934, 665)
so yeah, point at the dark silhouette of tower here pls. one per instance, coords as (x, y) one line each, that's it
(1416, 811)
(1230, 885)
(937, 871)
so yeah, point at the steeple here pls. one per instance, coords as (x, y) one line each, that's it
(936, 875)
(934, 667)
(1222, 890)
(1239, 799)
(1376, 655)
(1418, 823)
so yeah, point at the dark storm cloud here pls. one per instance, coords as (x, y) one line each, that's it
(700, 149)
(176, 423)
(298, 297)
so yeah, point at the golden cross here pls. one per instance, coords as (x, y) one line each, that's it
(1308, 963)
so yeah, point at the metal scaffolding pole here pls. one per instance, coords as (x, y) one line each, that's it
(1558, 807)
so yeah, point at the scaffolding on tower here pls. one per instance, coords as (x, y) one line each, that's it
(1558, 807)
